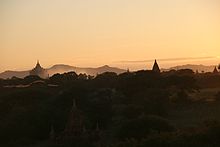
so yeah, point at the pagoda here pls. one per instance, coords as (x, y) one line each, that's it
(74, 126)
(75, 132)
(215, 71)
(156, 67)
(39, 71)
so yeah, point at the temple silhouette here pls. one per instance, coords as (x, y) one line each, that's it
(75, 131)
(156, 67)
(215, 71)
(39, 71)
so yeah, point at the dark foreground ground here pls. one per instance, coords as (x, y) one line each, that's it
(139, 109)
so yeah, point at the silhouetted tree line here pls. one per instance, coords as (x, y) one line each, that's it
(131, 108)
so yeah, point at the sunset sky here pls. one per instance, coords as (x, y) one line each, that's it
(123, 33)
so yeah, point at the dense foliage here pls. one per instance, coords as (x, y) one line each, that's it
(132, 109)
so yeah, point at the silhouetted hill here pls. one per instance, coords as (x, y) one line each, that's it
(9, 74)
(90, 71)
(200, 67)
(61, 68)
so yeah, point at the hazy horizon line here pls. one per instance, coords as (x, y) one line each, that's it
(133, 61)
(167, 59)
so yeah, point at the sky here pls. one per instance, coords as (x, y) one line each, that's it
(122, 33)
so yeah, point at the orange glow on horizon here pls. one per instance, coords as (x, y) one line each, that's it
(98, 32)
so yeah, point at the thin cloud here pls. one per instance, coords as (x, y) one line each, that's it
(169, 59)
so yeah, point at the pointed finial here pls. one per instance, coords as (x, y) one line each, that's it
(215, 70)
(52, 133)
(38, 63)
(74, 103)
(156, 67)
(97, 127)
(84, 129)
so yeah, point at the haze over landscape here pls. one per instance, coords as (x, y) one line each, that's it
(119, 33)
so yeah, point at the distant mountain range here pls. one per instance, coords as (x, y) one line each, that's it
(199, 68)
(61, 68)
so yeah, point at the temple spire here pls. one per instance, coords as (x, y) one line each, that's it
(52, 133)
(215, 70)
(97, 127)
(84, 129)
(156, 67)
(38, 64)
(74, 103)
(39, 71)
(74, 126)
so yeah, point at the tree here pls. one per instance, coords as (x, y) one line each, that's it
(141, 127)
(64, 78)
(31, 78)
(105, 80)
